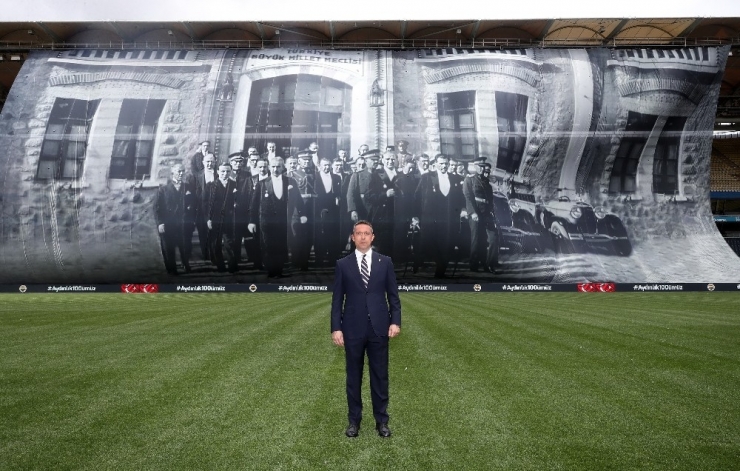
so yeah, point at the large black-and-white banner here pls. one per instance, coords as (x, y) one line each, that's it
(536, 165)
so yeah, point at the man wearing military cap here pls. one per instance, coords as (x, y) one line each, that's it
(402, 149)
(479, 204)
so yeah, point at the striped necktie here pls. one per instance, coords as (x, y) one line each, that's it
(364, 270)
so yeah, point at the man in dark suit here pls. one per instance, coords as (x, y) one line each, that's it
(406, 183)
(175, 213)
(479, 204)
(196, 161)
(252, 239)
(277, 207)
(221, 194)
(242, 201)
(328, 187)
(365, 194)
(441, 205)
(385, 219)
(365, 313)
(200, 180)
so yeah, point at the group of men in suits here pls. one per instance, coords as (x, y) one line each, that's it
(423, 210)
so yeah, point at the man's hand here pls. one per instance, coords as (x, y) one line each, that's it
(474, 216)
(390, 193)
(304, 219)
(338, 338)
(393, 330)
(463, 214)
(354, 216)
(252, 227)
(161, 228)
(209, 223)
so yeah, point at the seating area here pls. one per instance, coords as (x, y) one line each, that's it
(724, 174)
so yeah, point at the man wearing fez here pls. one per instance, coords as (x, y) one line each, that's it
(277, 207)
(242, 200)
(175, 213)
(365, 313)
(441, 204)
(200, 180)
(196, 161)
(221, 194)
(328, 189)
(365, 193)
(479, 204)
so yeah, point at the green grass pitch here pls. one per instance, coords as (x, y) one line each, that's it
(479, 381)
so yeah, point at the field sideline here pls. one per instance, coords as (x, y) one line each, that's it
(479, 381)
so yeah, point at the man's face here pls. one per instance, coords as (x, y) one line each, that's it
(453, 166)
(276, 168)
(176, 173)
(237, 164)
(204, 147)
(409, 167)
(363, 237)
(371, 163)
(292, 164)
(271, 147)
(442, 165)
(209, 162)
(253, 160)
(402, 147)
(343, 154)
(486, 171)
(303, 163)
(325, 166)
(313, 147)
(479, 169)
(360, 165)
(461, 169)
(336, 167)
(364, 148)
(389, 160)
(262, 167)
(252, 151)
(223, 172)
(424, 164)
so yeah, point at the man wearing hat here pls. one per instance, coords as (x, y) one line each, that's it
(479, 204)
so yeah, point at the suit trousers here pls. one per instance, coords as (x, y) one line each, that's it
(377, 356)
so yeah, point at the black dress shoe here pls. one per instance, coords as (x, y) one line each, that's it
(352, 430)
(383, 430)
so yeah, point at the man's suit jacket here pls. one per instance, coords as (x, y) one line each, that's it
(352, 303)
(365, 194)
(175, 208)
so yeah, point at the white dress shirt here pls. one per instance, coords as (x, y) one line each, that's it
(277, 186)
(326, 179)
(368, 260)
(444, 183)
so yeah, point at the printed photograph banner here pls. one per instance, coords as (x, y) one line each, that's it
(252, 166)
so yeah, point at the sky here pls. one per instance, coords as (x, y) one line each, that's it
(353, 10)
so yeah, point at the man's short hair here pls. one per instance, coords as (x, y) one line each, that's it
(224, 164)
(205, 142)
(364, 223)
